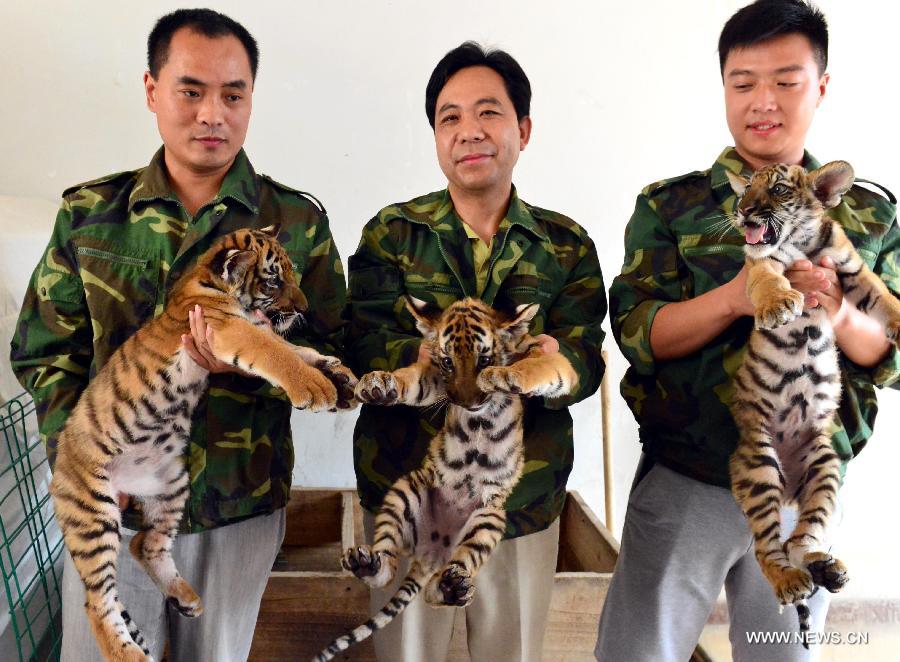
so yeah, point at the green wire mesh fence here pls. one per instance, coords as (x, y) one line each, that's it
(30, 541)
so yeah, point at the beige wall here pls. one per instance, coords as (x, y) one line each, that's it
(624, 94)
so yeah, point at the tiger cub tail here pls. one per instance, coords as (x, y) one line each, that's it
(409, 589)
(803, 615)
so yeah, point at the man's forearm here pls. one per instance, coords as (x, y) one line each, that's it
(861, 338)
(684, 327)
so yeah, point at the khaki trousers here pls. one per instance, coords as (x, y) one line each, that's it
(506, 620)
(228, 567)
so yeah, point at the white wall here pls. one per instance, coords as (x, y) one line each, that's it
(624, 94)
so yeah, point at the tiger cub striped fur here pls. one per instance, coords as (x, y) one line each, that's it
(788, 388)
(448, 514)
(128, 432)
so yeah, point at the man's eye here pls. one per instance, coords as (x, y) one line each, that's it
(484, 361)
(785, 84)
(446, 119)
(446, 363)
(193, 94)
(743, 87)
(234, 97)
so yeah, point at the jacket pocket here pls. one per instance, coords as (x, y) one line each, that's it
(121, 286)
(522, 289)
(710, 264)
(378, 282)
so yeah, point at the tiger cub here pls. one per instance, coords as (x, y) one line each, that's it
(448, 514)
(788, 388)
(128, 432)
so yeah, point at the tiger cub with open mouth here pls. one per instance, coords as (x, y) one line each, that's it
(788, 388)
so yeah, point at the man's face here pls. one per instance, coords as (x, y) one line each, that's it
(476, 132)
(202, 101)
(772, 91)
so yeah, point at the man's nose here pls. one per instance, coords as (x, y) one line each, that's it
(212, 111)
(471, 129)
(764, 98)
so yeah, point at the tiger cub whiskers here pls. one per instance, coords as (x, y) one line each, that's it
(448, 514)
(788, 388)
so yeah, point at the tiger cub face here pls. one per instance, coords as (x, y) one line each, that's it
(783, 205)
(253, 267)
(468, 337)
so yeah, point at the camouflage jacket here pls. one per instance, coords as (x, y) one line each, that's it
(420, 247)
(674, 251)
(118, 246)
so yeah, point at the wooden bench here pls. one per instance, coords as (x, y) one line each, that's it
(310, 600)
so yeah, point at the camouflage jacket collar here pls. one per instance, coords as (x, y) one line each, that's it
(240, 184)
(438, 213)
(730, 160)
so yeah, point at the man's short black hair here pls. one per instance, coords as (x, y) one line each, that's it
(206, 22)
(473, 54)
(767, 19)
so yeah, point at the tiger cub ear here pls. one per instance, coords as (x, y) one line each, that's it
(738, 183)
(235, 265)
(517, 326)
(831, 181)
(426, 316)
(272, 230)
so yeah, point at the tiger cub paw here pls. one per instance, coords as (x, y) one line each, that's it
(343, 379)
(504, 379)
(826, 571)
(183, 598)
(782, 307)
(311, 389)
(793, 585)
(380, 388)
(374, 568)
(455, 587)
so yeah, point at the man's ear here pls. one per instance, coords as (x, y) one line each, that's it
(524, 132)
(425, 314)
(517, 326)
(150, 91)
(738, 183)
(234, 266)
(831, 181)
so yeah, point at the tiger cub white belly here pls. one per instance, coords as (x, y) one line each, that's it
(153, 459)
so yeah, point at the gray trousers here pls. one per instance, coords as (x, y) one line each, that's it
(682, 541)
(505, 622)
(228, 567)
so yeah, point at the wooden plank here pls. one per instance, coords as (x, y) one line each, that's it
(608, 497)
(300, 615)
(320, 558)
(313, 517)
(348, 534)
(585, 544)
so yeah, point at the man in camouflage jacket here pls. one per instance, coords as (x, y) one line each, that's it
(476, 238)
(118, 246)
(681, 316)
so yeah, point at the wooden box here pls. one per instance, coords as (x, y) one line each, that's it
(310, 600)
